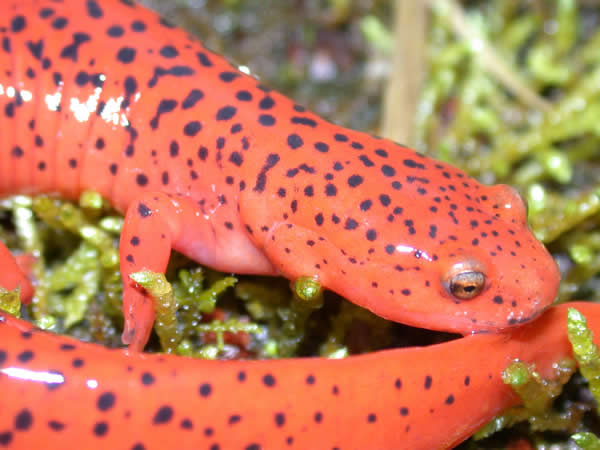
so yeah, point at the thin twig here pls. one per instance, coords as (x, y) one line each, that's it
(407, 74)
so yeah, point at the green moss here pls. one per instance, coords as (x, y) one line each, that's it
(9, 301)
(586, 441)
(584, 350)
(537, 396)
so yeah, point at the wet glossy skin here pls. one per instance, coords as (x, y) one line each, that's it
(56, 390)
(205, 160)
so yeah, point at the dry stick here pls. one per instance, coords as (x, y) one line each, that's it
(488, 58)
(407, 71)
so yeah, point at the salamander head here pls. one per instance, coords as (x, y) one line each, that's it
(473, 267)
(412, 239)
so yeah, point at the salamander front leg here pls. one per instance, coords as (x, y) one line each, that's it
(12, 276)
(152, 224)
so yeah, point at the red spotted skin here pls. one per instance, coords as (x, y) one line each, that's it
(418, 398)
(105, 95)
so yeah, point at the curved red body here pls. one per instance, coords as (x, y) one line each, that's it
(106, 95)
(417, 398)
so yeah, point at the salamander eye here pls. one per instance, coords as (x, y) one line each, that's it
(466, 285)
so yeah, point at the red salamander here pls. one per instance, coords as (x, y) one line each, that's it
(106, 95)
(57, 391)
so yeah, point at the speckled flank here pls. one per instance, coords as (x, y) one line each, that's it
(204, 159)
(56, 390)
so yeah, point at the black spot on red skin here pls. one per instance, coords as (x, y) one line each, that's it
(203, 59)
(330, 190)
(106, 401)
(144, 211)
(428, 382)
(168, 51)
(322, 147)
(236, 158)
(56, 425)
(304, 121)
(77, 363)
(94, 10)
(226, 113)
(186, 424)
(46, 12)
(71, 50)
(233, 419)
(115, 31)
(266, 120)
(25, 356)
(165, 106)
(163, 415)
(23, 420)
(100, 429)
(279, 419)
(192, 98)
(126, 55)
(192, 128)
(449, 400)
(244, 96)
(388, 171)
(366, 205)
(17, 152)
(147, 379)
(366, 161)
(266, 103)
(6, 438)
(355, 181)
(138, 26)
(228, 77)
(18, 24)
(28, 335)
(141, 179)
(351, 224)
(269, 380)
(261, 179)
(205, 390)
(319, 219)
(6, 44)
